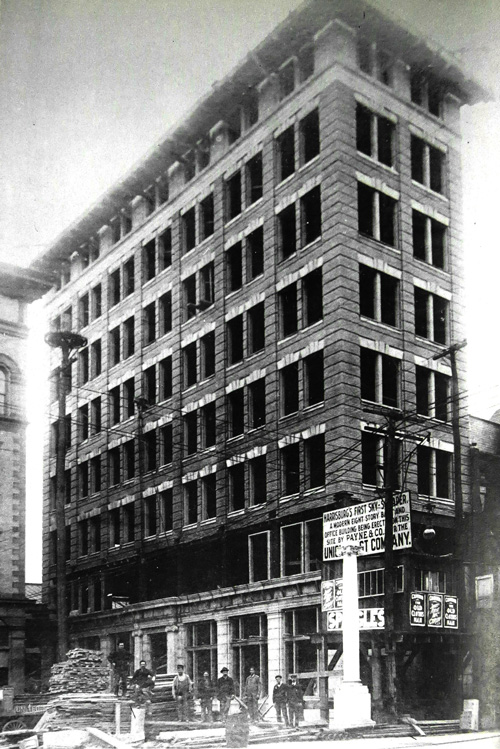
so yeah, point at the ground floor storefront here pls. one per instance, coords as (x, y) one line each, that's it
(276, 627)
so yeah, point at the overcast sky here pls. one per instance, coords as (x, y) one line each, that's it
(87, 86)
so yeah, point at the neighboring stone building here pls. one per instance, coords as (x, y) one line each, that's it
(284, 261)
(483, 558)
(18, 616)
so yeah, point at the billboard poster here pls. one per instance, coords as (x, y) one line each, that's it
(451, 612)
(364, 526)
(328, 595)
(434, 610)
(331, 594)
(417, 609)
(368, 619)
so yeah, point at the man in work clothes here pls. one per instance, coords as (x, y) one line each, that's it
(120, 660)
(181, 689)
(225, 692)
(143, 683)
(205, 693)
(295, 695)
(252, 694)
(280, 699)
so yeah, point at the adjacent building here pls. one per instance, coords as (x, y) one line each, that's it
(483, 532)
(21, 617)
(275, 275)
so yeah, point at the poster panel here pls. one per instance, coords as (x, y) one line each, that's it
(451, 612)
(417, 609)
(434, 610)
(331, 594)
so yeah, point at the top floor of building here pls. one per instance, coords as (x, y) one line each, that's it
(305, 52)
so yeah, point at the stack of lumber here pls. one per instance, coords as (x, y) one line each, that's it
(82, 710)
(83, 671)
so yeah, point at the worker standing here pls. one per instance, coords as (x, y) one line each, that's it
(280, 699)
(225, 692)
(181, 690)
(205, 693)
(252, 694)
(295, 695)
(120, 660)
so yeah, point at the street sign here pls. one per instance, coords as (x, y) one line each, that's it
(364, 526)
(368, 619)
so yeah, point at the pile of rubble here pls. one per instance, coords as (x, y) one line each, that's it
(83, 671)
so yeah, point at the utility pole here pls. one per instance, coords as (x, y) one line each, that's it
(451, 352)
(390, 482)
(141, 404)
(66, 341)
(389, 489)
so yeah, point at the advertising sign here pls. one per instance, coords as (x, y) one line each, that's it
(451, 612)
(417, 609)
(434, 610)
(364, 526)
(368, 619)
(331, 594)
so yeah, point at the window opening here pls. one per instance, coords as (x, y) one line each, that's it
(290, 389)
(235, 339)
(255, 253)
(290, 466)
(237, 487)
(285, 144)
(289, 310)
(257, 403)
(256, 328)
(189, 230)
(233, 196)
(254, 179)
(309, 136)
(165, 249)
(314, 381)
(310, 210)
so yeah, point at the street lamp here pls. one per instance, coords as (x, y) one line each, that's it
(67, 342)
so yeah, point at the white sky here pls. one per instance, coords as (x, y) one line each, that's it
(86, 87)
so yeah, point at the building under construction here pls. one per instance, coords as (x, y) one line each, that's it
(261, 296)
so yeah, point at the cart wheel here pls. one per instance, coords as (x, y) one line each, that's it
(14, 725)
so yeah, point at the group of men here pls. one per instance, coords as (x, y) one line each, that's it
(287, 698)
(224, 690)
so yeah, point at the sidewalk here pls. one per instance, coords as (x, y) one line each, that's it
(481, 740)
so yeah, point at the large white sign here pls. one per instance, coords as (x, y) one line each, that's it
(368, 619)
(364, 526)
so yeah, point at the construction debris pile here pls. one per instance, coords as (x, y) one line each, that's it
(83, 671)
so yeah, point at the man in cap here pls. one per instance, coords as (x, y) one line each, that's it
(143, 683)
(120, 660)
(280, 699)
(225, 692)
(205, 693)
(295, 696)
(252, 694)
(181, 690)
